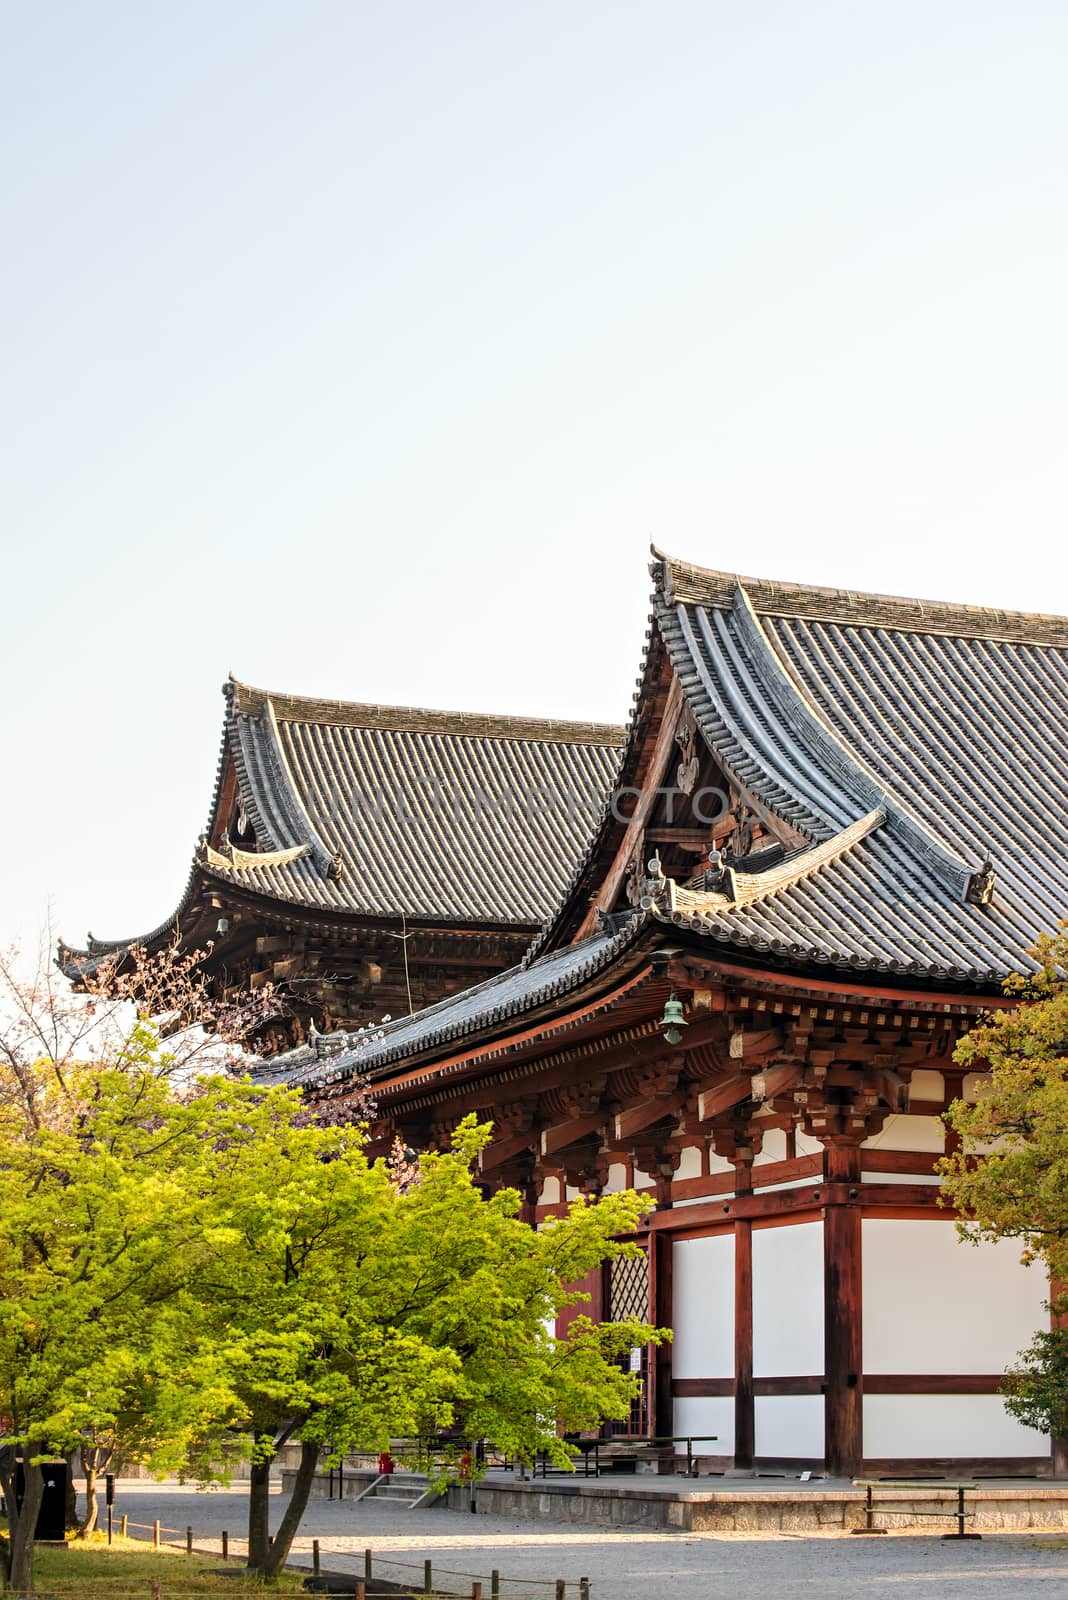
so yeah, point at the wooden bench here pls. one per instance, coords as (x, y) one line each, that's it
(929, 1487)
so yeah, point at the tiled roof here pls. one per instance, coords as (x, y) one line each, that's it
(906, 743)
(389, 811)
(953, 720)
(487, 1006)
(441, 816)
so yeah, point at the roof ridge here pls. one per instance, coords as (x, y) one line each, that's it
(845, 766)
(682, 582)
(673, 902)
(250, 701)
(287, 798)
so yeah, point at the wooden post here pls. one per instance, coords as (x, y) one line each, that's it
(476, 1590)
(661, 1403)
(584, 1589)
(189, 1539)
(155, 1534)
(367, 1565)
(561, 1589)
(843, 1353)
(428, 1578)
(315, 1558)
(124, 1523)
(744, 1411)
(225, 1545)
(495, 1584)
(155, 1590)
(361, 1589)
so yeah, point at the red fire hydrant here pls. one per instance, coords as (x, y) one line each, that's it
(385, 1462)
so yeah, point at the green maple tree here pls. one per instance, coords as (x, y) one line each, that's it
(348, 1309)
(1009, 1176)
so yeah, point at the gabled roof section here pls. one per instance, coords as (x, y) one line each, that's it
(437, 816)
(489, 1007)
(388, 812)
(916, 754)
(913, 751)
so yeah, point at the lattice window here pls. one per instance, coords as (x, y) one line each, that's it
(628, 1287)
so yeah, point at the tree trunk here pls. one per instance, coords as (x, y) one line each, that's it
(91, 1507)
(7, 1489)
(24, 1530)
(259, 1533)
(298, 1500)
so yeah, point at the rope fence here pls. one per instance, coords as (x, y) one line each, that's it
(492, 1586)
(160, 1590)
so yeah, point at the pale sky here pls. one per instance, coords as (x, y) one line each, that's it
(361, 350)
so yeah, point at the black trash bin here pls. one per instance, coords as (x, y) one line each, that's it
(52, 1517)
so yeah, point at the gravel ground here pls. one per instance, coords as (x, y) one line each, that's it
(622, 1563)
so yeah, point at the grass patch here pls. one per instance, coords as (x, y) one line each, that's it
(127, 1570)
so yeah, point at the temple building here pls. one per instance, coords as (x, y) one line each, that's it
(839, 822)
(370, 860)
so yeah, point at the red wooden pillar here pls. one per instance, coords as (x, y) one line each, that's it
(842, 1308)
(661, 1311)
(744, 1415)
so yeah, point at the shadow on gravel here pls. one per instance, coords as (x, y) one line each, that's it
(345, 1583)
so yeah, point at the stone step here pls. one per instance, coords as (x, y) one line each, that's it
(404, 1491)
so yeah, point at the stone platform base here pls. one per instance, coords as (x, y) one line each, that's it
(350, 1483)
(741, 1507)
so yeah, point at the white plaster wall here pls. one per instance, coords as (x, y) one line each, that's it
(910, 1133)
(806, 1146)
(945, 1425)
(788, 1301)
(703, 1290)
(933, 1304)
(617, 1178)
(701, 1200)
(550, 1191)
(707, 1416)
(689, 1163)
(789, 1424)
(774, 1147)
(926, 1085)
(718, 1164)
(902, 1177)
(642, 1180)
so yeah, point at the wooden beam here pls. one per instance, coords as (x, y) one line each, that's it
(767, 1084)
(748, 1044)
(702, 1388)
(571, 1131)
(852, 992)
(637, 1118)
(501, 1150)
(731, 1092)
(665, 743)
(694, 840)
(934, 1382)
